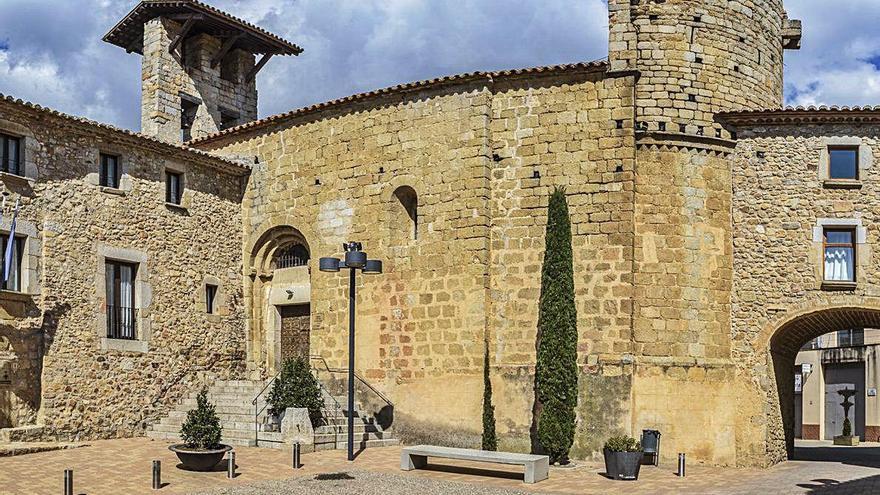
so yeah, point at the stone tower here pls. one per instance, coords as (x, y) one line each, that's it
(698, 57)
(692, 59)
(199, 66)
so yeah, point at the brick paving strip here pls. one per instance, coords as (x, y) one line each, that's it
(124, 467)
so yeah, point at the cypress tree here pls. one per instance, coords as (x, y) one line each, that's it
(490, 442)
(556, 369)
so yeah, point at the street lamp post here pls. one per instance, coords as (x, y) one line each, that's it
(355, 259)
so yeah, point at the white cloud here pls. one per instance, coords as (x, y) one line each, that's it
(55, 55)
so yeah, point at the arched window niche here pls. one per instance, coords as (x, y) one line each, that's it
(405, 214)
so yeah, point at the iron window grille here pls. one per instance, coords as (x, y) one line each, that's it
(121, 311)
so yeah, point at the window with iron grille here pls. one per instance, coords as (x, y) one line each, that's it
(13, 280)
(291, 256)
(109, 171)
(10, 154)
(173, 187)
(121, 312)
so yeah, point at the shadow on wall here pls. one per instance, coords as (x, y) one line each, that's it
(412, 431)
(20, 378)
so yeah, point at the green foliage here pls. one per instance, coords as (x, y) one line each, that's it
(296, 387)
(847, 428)
(490, 441)
(556, 372)
(202, 429)
(623, 444)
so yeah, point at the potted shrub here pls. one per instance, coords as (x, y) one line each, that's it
(201, 449)
(623, 458)
(296, 387)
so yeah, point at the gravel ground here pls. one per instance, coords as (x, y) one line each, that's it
(362, 483)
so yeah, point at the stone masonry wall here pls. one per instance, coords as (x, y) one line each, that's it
(577, 133)
(779, 201)
(78, 382)
(698, 57)
(164, 79)
(470, 152)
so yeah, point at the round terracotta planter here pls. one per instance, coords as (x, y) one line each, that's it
(199, 460)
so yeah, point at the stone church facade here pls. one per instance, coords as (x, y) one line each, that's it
(702, 215)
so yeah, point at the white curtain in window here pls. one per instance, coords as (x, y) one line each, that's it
(839, 264)
(126, 289)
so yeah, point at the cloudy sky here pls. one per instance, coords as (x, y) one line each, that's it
(51, 50)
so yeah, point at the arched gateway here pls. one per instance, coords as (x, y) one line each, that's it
(787, 335)
(280, 293)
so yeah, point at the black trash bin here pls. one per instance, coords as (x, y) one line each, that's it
(651, 447)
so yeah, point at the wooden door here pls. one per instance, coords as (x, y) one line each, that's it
(295, 330)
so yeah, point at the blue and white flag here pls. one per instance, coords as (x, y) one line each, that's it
(10, 246)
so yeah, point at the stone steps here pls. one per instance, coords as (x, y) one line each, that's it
(232, 403)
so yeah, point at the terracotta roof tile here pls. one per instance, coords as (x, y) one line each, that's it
(802, 114)
(598, 65)
(126, 32)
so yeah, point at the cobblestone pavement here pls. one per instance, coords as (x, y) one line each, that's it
(124, 466)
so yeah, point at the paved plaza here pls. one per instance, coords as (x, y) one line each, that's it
(124, 467)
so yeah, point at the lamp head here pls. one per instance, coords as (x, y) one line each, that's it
(328, 264)
(373, 267)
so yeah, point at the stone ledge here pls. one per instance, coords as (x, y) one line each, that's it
(841, 184)
(124, 345)
(839, 286)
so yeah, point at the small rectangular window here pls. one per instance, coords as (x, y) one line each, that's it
(851, 338)
(121, 313)
(10, 154)
(110, 171)
(13, 280)
(840, 255)
(210, 298)
(173, 187)
(843, 162)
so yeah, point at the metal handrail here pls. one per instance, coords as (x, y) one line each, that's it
(257, 410)
(356, 375)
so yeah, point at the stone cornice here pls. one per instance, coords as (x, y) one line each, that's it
(802, 115)
(680, 140)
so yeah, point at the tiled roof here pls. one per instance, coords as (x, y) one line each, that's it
(802, 114)
(595, 66)
(129, 32)
(156, 144)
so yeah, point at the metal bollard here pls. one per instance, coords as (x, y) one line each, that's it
(296, 455)
(681, 465)
(157, 474)
(68, 482)
(230, 465)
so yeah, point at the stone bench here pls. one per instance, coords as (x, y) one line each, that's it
(537, 467)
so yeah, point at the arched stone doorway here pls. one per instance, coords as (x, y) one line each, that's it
(784, 344)
(280, 298)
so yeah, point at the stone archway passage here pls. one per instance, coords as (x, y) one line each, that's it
(785, 343)
(793, 334)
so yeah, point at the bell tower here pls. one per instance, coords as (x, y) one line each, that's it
(199, 66)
